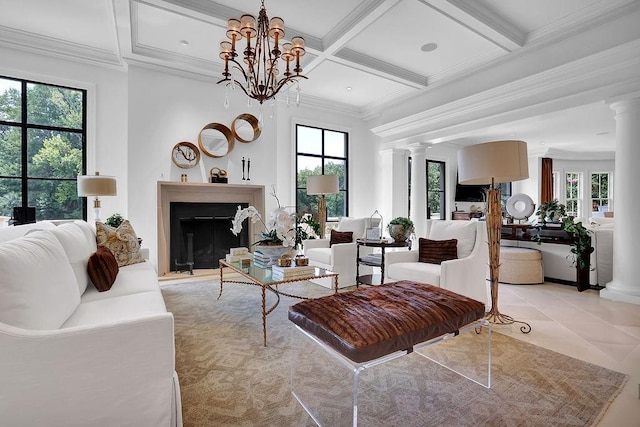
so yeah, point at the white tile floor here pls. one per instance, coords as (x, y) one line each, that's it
(584, 326)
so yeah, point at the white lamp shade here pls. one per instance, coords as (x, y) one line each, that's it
(493, 162)
(96, 185)
(322, 184)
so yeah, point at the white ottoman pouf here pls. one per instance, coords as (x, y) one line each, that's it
(520, 265)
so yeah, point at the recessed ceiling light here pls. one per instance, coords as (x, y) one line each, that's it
(429, 47)
(349, 88)
(543, 143)
(184, 43)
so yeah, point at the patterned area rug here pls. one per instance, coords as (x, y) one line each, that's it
(227, 377)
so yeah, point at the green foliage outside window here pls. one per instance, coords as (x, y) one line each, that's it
(53, 149)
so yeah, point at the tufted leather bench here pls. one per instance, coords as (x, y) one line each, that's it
(369, 323)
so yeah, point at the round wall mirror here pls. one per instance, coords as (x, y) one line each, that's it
(245, 128)
(215, 140)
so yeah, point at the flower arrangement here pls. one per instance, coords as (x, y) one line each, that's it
(280, 229)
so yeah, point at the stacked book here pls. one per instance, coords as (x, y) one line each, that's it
(238, 255)
(372, 259)
(261, 260)
(284, 273)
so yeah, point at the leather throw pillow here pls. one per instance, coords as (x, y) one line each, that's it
(340, 237)
(122, 241)
(102, 268)
(436, 251)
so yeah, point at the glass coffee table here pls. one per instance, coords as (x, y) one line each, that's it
(261, 277)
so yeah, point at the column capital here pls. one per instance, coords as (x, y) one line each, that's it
(419, 148)
(622, 103)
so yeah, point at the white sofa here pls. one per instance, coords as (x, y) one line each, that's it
(465, 275)
(73, 356)
(341, 257)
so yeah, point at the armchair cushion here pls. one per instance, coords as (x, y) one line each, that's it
(436, 251)
(463, 231)
(355, 225)
(340, 237)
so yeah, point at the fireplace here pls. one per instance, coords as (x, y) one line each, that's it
(199, 224)
(200, 234)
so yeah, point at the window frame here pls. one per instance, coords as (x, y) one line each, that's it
(609, 198)
(442, 191)
(323, 160)
(579, 186)
(24, 126)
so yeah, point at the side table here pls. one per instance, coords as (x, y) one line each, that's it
(367, 279)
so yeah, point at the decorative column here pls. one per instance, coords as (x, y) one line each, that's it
(418, 208)
(625, 285)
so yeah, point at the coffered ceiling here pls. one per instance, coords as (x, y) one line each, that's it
(364, 57)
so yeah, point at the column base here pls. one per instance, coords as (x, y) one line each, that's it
(611, 293)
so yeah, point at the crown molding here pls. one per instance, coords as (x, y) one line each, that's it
(558, 154)
(50, 46)
(553, 82)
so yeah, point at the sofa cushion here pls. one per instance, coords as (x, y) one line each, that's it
(340, 237)
(89, 232)
(103, 268)
(38, 289)
(463, 231)
(415, 271)
(113, 310)
(122, 241)
(10, 233)
(78, 249)
(131, 279)
(436, 251)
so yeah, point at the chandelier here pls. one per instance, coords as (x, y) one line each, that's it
(259, 67)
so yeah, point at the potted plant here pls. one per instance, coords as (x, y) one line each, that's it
(400, 228)
(114, 220)
(580, 244)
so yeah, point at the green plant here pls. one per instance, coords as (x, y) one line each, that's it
(405, 222)
(114, 220)
(551, 211)
(580, 241)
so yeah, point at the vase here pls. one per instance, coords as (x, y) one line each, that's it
(582, 273)
(274, 252)
(398, 232)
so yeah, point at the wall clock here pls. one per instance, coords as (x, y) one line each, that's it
(185, 155)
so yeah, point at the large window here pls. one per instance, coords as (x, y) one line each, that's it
(42, 148)
(321, 152)
(436, 200)
(573, 200)
(600, 191)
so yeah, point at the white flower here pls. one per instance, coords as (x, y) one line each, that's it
(241, 215)
(281, 225)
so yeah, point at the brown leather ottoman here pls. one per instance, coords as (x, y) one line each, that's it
(369, 323)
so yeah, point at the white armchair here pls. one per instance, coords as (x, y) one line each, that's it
(465, 275)
(340, 257)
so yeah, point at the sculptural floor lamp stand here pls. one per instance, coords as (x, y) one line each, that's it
(322, 184)
(491, 163)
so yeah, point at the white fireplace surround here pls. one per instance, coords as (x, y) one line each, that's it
(169, 191)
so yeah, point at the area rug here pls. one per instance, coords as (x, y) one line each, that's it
(228, 378)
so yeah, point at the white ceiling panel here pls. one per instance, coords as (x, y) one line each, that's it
(330, 81)
(312, 17)
(529, 15)
(420, 24)
(77, 21)
(164, 30)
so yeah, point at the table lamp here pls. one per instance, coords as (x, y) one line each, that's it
(493, 163)
(96, 185)
(322, 184)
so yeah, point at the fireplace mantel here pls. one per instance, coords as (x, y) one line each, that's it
(194, 192)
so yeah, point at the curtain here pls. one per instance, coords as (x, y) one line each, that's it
(546, 181)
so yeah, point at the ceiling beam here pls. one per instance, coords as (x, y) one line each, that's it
(481, 21)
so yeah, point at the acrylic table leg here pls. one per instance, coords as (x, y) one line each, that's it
(264, 316)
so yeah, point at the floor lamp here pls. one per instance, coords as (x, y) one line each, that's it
(494, 163)
(96, 185)
(322, 185)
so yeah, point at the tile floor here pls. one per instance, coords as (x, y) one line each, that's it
(578, 324)
(584, 326)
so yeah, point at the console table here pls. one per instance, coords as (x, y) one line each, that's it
(367, 279)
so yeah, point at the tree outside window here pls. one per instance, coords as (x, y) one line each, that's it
(600, 190)
(572, 193)
(321, 152)
(436, 200)
(42, 141)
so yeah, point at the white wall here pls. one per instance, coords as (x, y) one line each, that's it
(107, 117)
